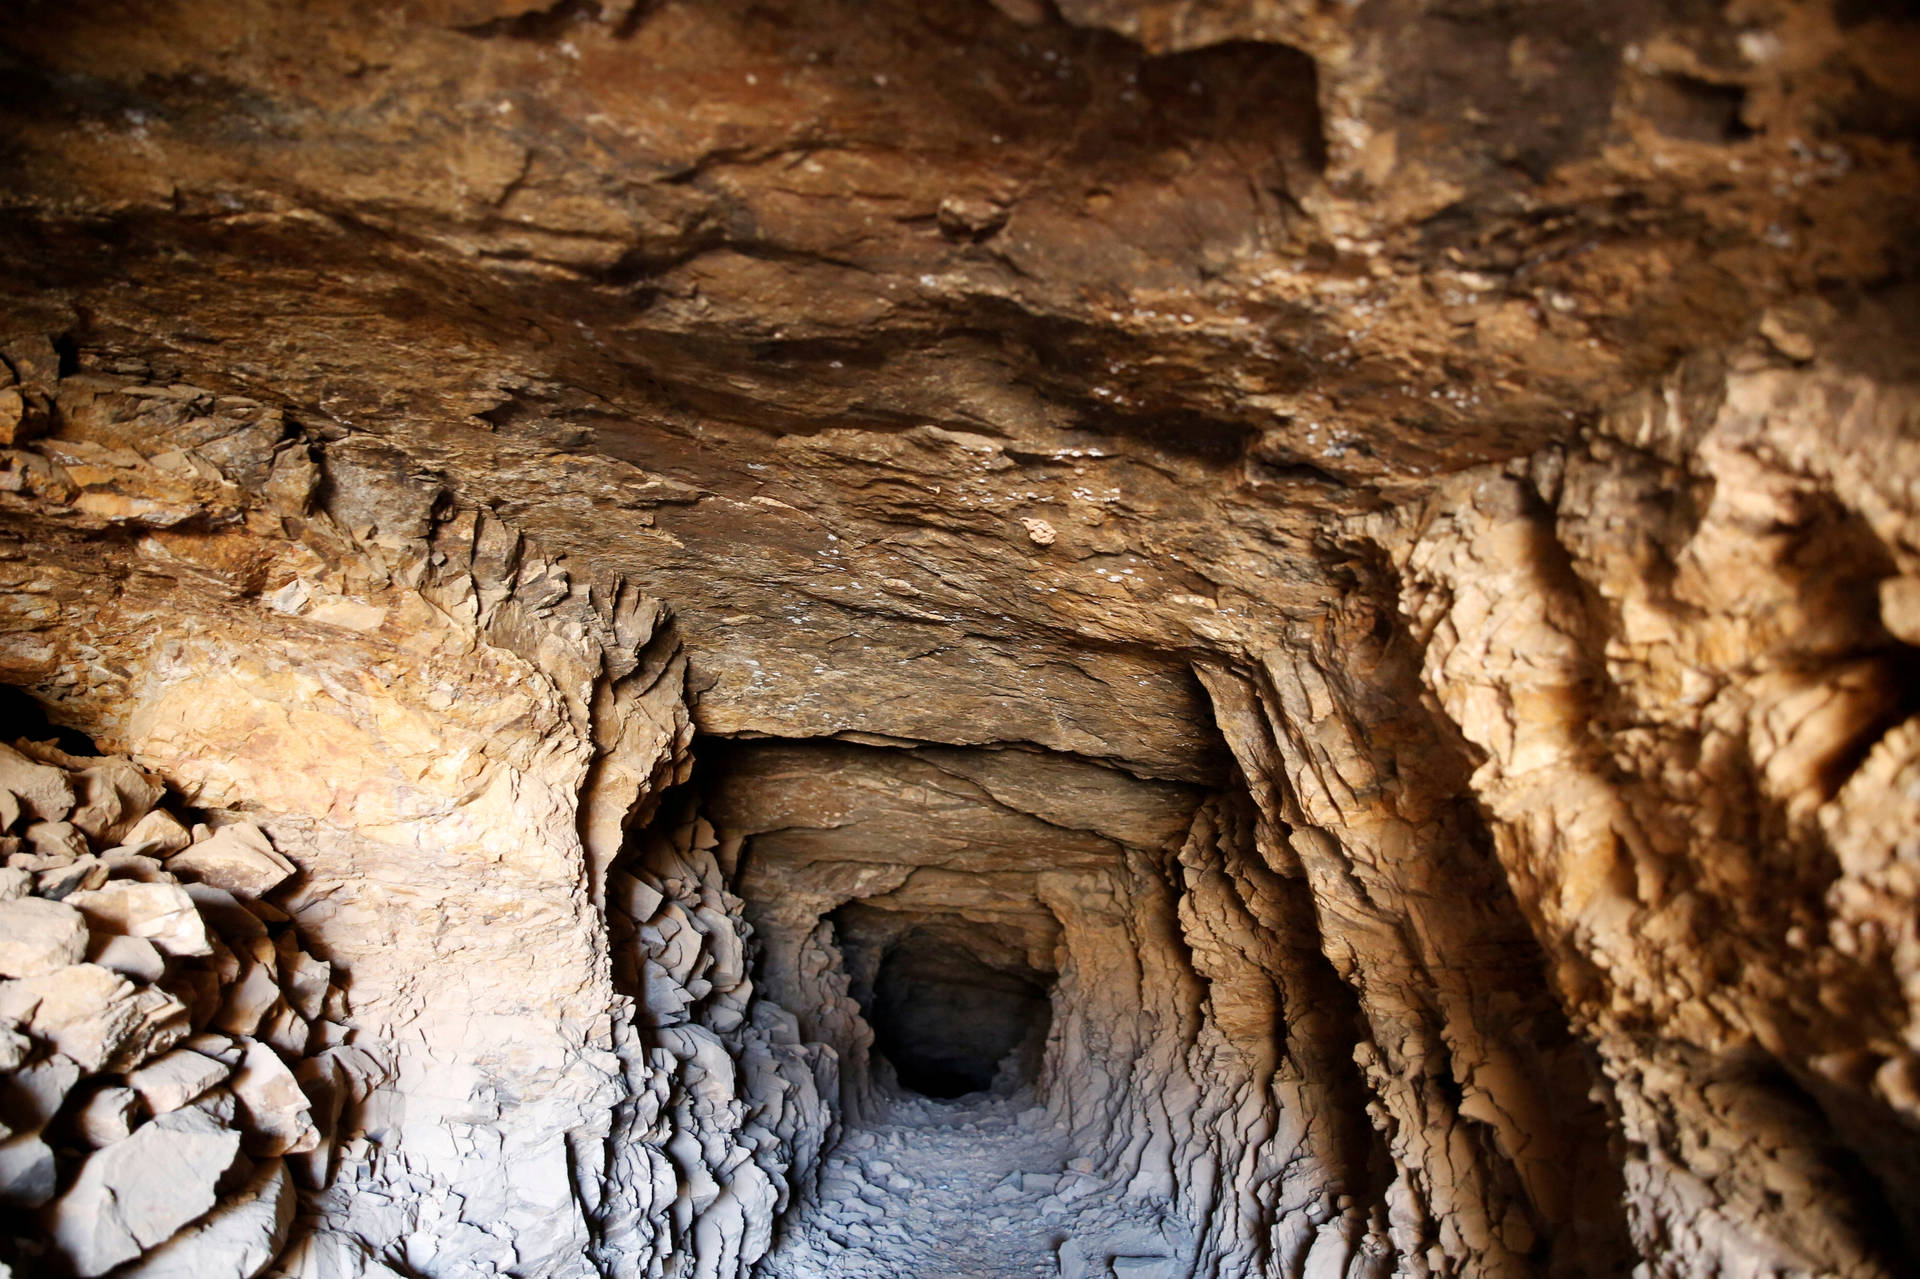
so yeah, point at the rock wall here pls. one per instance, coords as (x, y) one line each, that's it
(174, 1058)
(1558, 916)
(1681, 655)
(441, 731)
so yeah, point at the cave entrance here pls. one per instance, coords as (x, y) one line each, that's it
(953, 1024)
(955, 1005)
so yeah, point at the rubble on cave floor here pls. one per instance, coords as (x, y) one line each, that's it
(980, 1187)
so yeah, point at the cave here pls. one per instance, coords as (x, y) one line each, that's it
(1115, 639)
(947, 1019)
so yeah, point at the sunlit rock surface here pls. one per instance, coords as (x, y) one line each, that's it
(1321, 598)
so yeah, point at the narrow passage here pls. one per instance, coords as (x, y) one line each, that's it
(980, 1187)
(940, 1190)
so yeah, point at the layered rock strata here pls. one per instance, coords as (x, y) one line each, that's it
(1365, 552)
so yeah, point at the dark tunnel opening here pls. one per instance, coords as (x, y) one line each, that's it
(947, 1020)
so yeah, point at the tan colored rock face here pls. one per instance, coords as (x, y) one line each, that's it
(1367, 551)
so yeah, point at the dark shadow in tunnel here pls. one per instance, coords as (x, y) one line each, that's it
(946, 1019)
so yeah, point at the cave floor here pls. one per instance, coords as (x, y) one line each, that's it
(982, 1187)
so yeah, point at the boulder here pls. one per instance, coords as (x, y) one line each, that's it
(13, 881)
(223, 911)
(32, 1095)
(237, 1240)
(162, 1021)
(85, 1011)
(162, 913)
(249, 1002)
(276, 1113)
(112, 797)
(108, 1116)
(44, 793)
(158, 832)
(137, 1193)
(135, 958)
(85, 871)
(124, 864)
(287, 1031)
(38, 936)
(27, 1173)
(303, 978)
(173, 1079)
(237, 858)
(55, 842)
(14, 1048)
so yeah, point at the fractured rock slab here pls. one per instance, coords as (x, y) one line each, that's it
(138, 1193)
(39, 936)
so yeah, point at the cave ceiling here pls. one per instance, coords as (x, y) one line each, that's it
(959, 372)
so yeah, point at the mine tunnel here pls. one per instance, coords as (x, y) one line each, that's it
(948, 1022)
(967, 639)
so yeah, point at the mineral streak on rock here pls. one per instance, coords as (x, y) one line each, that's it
(951, 638)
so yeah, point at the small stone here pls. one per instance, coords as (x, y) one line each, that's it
(45, 793)
(249, 1002)
(162, 913)
(13, 411)
(160, 829)
(278, 1117)
(14, 883)
(970, 217)
(134, 958)
(55, 842)
(173, 1079)
(1039, 532)
(237, 858)
(34, 1094)
(85, 871)
(137, 1193)
(39, 936)
(28, 1175)
(108, 1116)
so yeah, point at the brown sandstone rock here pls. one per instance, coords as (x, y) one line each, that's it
(160, 913)
(237, 858)
(39, 936)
